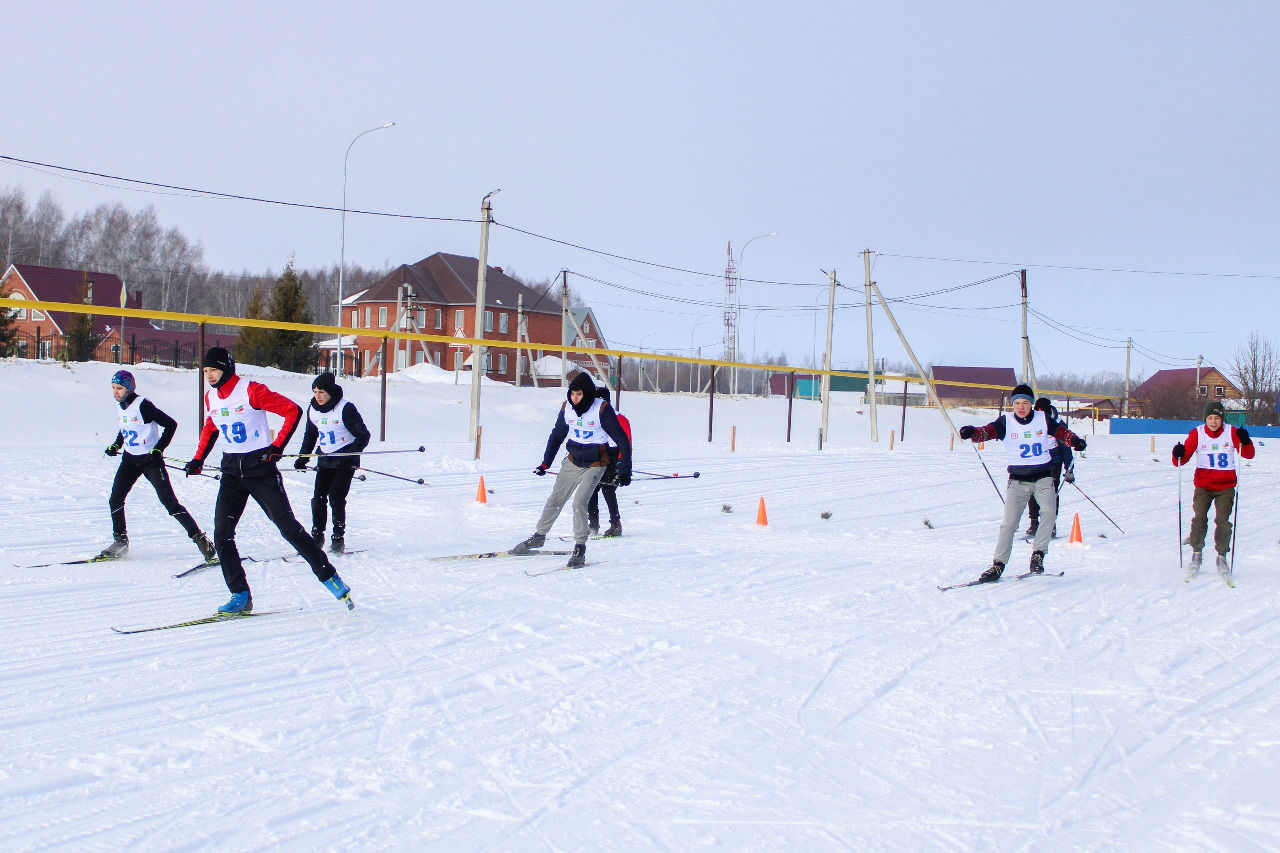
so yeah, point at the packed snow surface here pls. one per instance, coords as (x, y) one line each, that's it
(705, 683)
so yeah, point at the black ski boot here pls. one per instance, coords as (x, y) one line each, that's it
(317, 536)
(578, 558)
(537, 540)
(337, 544)
(1037, 563)
(993, 573)
(615, 529)
(593, 522)
(207, 550)
(1033, 527)
(116, 549)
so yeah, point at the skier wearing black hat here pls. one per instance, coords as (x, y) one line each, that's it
(589, 423)
(144, 433)
(1063, 468)
(236, 410)
(1214, 447)
(333, 425)
(1029, 436)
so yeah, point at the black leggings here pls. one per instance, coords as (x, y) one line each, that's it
(332, 486)
(610, 491)
(131, 468)
(267, 489)
(1033, 508)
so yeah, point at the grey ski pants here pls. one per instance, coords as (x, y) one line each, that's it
(1016, 496)
(571, 477)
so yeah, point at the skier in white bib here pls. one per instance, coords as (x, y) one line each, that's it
(144, 433)
(1029, 437)
(588, 423)
(333, 426)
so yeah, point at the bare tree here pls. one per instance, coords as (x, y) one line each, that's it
(1255, 368)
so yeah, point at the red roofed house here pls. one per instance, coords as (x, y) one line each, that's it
(1002, 378)
(437, 296)
(42, 334)
(1181, 393)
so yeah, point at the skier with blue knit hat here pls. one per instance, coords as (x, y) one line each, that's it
(1029, 436)
(144, 433)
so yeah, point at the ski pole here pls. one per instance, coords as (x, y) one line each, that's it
(988, 470)
(1118, 527)
(308, 471)
(1179, 516)
(202, 474)
(419, 449)
(650, 475)
(1235, 518)
(419, 481)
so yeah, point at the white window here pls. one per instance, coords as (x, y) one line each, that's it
(591, 342)
(488, 321)
(382, 317)
(586, 327)
(37, 315)
(457, 359)
(488, 362)
(502, 362)
(439, 319)
(1204, 390)
(368, 317)
(401, 355)
(435, 357)
(367, 360)
(503, 323)
(422, 317)
(18, 313)
(418, 357)
(1219, 391)
(459, 318)
(355, 318)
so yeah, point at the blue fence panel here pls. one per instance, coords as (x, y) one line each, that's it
(1155, 426)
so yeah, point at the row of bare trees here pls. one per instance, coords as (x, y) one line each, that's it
(163, 263)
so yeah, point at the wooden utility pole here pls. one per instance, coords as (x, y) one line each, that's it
(871, 351)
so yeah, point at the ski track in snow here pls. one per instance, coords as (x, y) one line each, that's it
(712, 685)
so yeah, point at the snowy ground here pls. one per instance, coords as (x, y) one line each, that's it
(706, 684)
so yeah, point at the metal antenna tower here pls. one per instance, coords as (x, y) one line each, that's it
(730, 306)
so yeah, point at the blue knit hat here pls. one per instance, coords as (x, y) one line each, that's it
(124, 379)
(1023, 391)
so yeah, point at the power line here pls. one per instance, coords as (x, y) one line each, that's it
(1076, 268)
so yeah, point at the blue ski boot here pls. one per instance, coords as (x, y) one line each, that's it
(241, 602)
(340, 590)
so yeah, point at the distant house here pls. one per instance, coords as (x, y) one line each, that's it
(1002, 378)
(42, 334)
(437, 296)
(1182, 392)
(808, 386)
(1099, 409)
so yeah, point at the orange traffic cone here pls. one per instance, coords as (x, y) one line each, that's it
(1076, 538)
(762, 518)
(480, 493)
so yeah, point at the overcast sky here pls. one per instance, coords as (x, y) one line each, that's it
(1095, 144)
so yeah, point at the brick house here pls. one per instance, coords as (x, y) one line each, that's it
(1181, 392)
(437, 296)
(41, 334)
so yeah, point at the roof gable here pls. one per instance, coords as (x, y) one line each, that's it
(1001, 377)
(1179, 379)
(53, 284)
(445, 279)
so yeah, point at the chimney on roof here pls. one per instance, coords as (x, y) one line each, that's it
(496, 269)
(137, 297)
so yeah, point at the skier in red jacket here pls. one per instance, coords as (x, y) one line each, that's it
(1214, 448)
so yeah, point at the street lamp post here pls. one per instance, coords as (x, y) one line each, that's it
(342, 250)
(738, 308)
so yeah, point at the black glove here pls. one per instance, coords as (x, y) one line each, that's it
(1077, 443)
(1070, 474)
(195, 466)
(1179, 451)
(966, 432)
(1244, 435)
(541, 470)
(624, 478)
(300, 463)
(272, 454)
(113, 448)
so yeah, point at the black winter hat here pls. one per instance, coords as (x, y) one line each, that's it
(1022, 391)
(326, 382)
(582, 382)
(219, 358)
(1215, 408)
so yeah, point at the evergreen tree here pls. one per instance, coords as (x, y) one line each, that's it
(80, 338)
(291, 350)
(8, 327)
(253, 345)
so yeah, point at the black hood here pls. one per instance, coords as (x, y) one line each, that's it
(582, 382)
